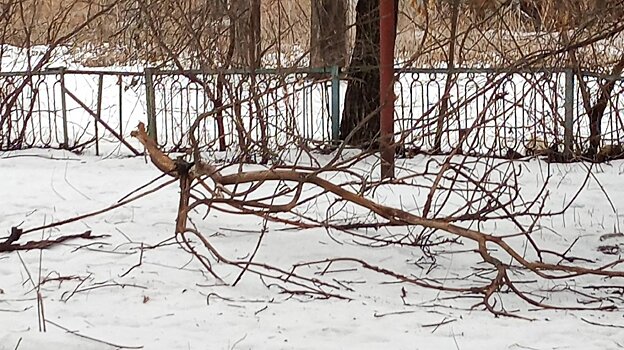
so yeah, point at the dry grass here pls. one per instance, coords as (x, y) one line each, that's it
(496, 36)
(122, 35)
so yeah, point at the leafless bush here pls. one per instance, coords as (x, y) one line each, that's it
(476, 201)
(122, 35)
(462, 194)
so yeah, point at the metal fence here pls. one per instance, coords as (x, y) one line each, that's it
(296, 105)
(505, 109)
(68, 108)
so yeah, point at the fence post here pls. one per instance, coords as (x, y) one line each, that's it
(569, 113)
(64, 109)
(150, 97)
(120, 103)
(99, 113)
(335, 101)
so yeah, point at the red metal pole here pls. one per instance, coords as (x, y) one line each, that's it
(386, 86)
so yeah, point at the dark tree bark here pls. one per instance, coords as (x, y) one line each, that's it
(360, 118)
(245, 15)
(246, 52)
(532, 11)
(444, 103)
(596, 112)
(328, 32)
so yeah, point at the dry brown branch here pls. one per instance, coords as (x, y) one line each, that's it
(337, 194)
(486, 243)
(159, 159)
(101, 211)
(10, 244)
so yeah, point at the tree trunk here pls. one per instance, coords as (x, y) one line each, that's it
(531, 10)
(245, 14)
(596, 112)
(328, 31)
(360, 118)
(246, 51)
(450, 80)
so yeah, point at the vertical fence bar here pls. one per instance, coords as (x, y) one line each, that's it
(120, 102)
(335, 102)
(98, 111)
(150, 97)
(64, 109)
(569, 113)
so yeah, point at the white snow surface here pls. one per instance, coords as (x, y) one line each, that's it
(170, 302)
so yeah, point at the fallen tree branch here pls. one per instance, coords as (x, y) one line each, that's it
(241, 186)
(101, 211)
(10, 245)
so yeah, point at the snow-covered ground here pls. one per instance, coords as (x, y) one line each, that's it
(170, 302)
(96, 295)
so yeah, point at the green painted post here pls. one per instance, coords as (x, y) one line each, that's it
(569, 113)
(64, 109)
